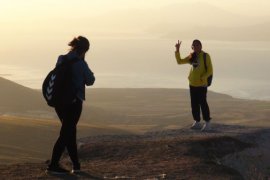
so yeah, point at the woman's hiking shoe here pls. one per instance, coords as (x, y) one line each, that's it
(206, 127)
(196, 125)
(56, 170)
(76, 169)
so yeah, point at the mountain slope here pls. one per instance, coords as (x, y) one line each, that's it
(17, 99)
(32, 140)
(164, 108)
(135, 109)
(140, 108)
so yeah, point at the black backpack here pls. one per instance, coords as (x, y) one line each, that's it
(57, 88)
(210, 78)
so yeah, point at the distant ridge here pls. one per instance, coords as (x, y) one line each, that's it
(156, 107)
(7, 85)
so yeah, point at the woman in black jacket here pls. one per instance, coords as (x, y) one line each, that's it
(69, 115)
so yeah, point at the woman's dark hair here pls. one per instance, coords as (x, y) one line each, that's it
(193, 58)
(79, 44)
(196, 41)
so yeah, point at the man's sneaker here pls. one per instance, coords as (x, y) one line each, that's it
(206, 127)
(56, 170)
(196, 125)
(76, 169)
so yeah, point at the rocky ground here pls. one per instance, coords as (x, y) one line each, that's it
(227, 152)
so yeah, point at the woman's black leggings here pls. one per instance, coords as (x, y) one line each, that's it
(69, 117)
(198, 97)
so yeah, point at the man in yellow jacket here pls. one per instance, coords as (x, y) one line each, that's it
(198, 82)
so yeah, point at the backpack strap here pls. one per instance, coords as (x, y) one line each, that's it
(204, 60)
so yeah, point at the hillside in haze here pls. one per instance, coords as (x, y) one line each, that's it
(151, 108)
(17, 99)
(182, 20)
(25, 115)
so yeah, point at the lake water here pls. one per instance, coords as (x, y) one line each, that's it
(241, 69)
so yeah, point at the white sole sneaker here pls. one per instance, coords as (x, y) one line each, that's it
(206, 127)
(76, 171)
(196, 125)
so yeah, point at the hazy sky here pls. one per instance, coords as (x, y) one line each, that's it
(47, 7)
(46, 24)
(40, 19)
(32, 16)
(133, 36)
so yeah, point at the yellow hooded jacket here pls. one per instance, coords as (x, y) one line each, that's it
(197, 76)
